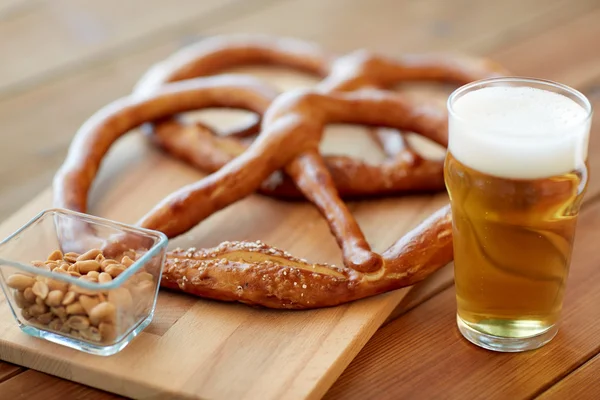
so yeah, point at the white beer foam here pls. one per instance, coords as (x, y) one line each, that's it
(518, 132)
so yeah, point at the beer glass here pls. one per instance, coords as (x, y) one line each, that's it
(516, 171)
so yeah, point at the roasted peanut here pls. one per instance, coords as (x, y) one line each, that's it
(20, 281)
(115, 270)
(107, 331)
(47, 267)
(26, 314)
(104, 264)
(60, 312)
(40, 301)
(87, 266)
(55, 297)
(60, 270)
(93, 275)
(75, 308)
(103, 312)
(91, 333)
(71, 257)
(20, 299)
(80, 290)
(38, 263)
(99, 258)
(55, 324)
(89, 255)
(29, 295)
(69, 298)
(78, 322)
(73, 268)
(88, 302)
(145, 276)
(54, 284)
(55, 255)
(40, 289)
(38, 309)
(45, 318)
(121, 298)
(126, 261)
(103, 277)
(74, 274)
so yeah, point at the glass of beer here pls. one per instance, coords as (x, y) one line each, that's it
(516, 171)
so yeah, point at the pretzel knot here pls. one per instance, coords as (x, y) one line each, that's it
(403, 170)
(292, 127)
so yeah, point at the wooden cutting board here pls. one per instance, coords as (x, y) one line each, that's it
(203, 349)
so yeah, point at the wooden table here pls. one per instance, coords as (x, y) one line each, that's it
(63, 59)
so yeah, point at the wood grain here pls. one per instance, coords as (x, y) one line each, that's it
(7, 371)
(60, 36)
(423, 355)
(30, 157)
(582, 384)
(36, 385)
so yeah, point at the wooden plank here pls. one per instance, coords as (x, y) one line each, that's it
(36, 385)
(424, 346)
(583, 383)
(57, 37)
(7, 371)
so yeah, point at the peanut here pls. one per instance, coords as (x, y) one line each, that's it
(74, 274)
(54, 298)
(45, 318)
(37, 263)
(87, 266)
(56, 324)
(103, 277)
(73, 268)
(60, 312)
(40, 301)
(145, 276)
(26, 314)
(115, 270)
(99, 258)
(126, 261)
(93, 275)
(46, 267)
(20, 281)
(55, 255)
(60, 270)
(107, 330)
(121, 298)
(20, 299)
(106, 263)
(89, 255)
(75, 308)
(78, 322)
(88, 302)
(69, 298)
(71, 257)
(91, 333)
(54, 284)
(103, 312)
(40, 289)
(29, 295)
(38, 309)
(80, 290)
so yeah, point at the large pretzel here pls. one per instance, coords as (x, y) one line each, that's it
(255, 273)
(403, 170)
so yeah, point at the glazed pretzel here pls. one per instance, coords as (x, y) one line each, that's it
(249, 272)
(403, 170)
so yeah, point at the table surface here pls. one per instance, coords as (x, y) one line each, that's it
(64, 59)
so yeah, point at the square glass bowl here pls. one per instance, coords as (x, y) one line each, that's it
(82, 281)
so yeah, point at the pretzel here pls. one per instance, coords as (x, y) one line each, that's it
(250, 272)
(404, 170)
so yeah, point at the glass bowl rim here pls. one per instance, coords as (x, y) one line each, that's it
(115, 283)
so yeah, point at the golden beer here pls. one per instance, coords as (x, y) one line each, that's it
(515, 197)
